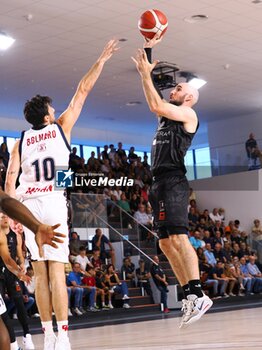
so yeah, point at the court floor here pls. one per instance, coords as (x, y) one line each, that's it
(231, 330)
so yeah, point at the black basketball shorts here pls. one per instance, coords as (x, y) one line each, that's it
(169, 197)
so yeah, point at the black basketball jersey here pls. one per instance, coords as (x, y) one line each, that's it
(169, 147)
(12, 246)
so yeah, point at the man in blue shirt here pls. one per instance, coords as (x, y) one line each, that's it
(256, 273)
(195, 240)
(99, 240)
(210, 255)
(76, 289)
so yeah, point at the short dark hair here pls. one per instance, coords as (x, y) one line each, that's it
(36, 109)
(82, 248)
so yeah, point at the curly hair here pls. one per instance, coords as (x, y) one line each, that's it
(36, 109)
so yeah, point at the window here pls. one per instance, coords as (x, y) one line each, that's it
(203, 163)
(1, 140)
(87, 152)
(189, 163)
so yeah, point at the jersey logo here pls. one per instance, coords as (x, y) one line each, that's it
(41, 147)
(64, 178)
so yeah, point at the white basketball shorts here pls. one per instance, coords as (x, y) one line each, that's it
(2, 305)
(50, 210)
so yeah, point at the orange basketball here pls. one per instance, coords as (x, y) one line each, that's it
(152, 22)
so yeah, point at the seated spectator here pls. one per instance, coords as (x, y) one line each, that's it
(142, 218)
(124, 204)
(255, 273)
(89, 280)
(76, 289)
(201, 256)
(192, 218)
(195, 240)
(232, 280)
(257, 230)
(218, 253)
(100, 240)
(82, 259)
(250, 280)
(205, 215)
(105, 167)
(101, 284)
(74, 245)
(243, 237)
(235, 236)
(128, 271)
(230, 227)
(221, 213)
(227, 251)
(28, 300)
(217, 226)
(143, 278)
(214, 216)
(211, 260)
(116, 286)
(206, 237)
(160, 281)
(244, 250)
(145, 193)
(117, 192)
(236, 271)
(134, 202)
(202, 224)
(218, 274)
(237, 226)
(95, 259)
(217, 239)
(139, 182)
(236, 250)
(207, 280)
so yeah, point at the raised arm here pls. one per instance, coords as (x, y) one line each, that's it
(156, 104)
(71, 114)
(13, 170)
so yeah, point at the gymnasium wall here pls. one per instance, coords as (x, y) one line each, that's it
(239, 194)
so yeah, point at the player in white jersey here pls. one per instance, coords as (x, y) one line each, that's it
(41, 149)
(43, 235)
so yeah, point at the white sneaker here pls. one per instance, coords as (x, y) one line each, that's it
(62, 343)
(125, 297)
(110, 306)
(15, 317)
(77, 311)
(184, 310)
(195, 308)
(49, 342)
(36, 315)
(232, 294)
(28, 343)
(69, 312)
(126, 306)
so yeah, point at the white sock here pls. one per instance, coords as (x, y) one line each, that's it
(47, 327)
(62, 327)
(94, 304)
(103, 303)
(14, 345)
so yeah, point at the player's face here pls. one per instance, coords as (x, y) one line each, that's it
(4, 221)
(51, 113)
(177, 96)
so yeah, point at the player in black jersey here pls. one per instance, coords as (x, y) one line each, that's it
(177, 125)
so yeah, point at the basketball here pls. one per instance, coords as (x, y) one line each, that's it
(152, 22)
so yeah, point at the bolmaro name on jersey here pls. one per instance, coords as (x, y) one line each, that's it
(41, 137)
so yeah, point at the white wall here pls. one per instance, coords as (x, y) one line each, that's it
(239, 194)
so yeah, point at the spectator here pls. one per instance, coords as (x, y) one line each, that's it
(76, 289)
(227, 251)
(237, 226)
(245, 273)
(31, 290)
(121, 153)
(116, 286)
(236, 250)
(74, 245)
(237, 273)
(82, 259)
(132, 156)
(205, 215)
(143, 278)
(192, 194)
(128, 271)
(4, 154)
(100, 240)
(117, 193)
(105, 167)
(104, 153)
(255, 273)
(124, 204)
(134, 202)
(101, 284)
(95, 259)
(257, 230)
(218, 274)
(251, 147)
(192, 218)
(211, 260)
(161, 283)
(142, 218)
(218, 253)
(112, 153)
(230, 227)
(89, 280)
(195, 240)
(214, 216)
(92, 161)
(221, 212)
(244, 250)
(206, 237)
(74, 160)
(232, 280)
(235, 236)
(217, 239)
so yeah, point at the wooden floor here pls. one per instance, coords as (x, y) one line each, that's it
(231, 330)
